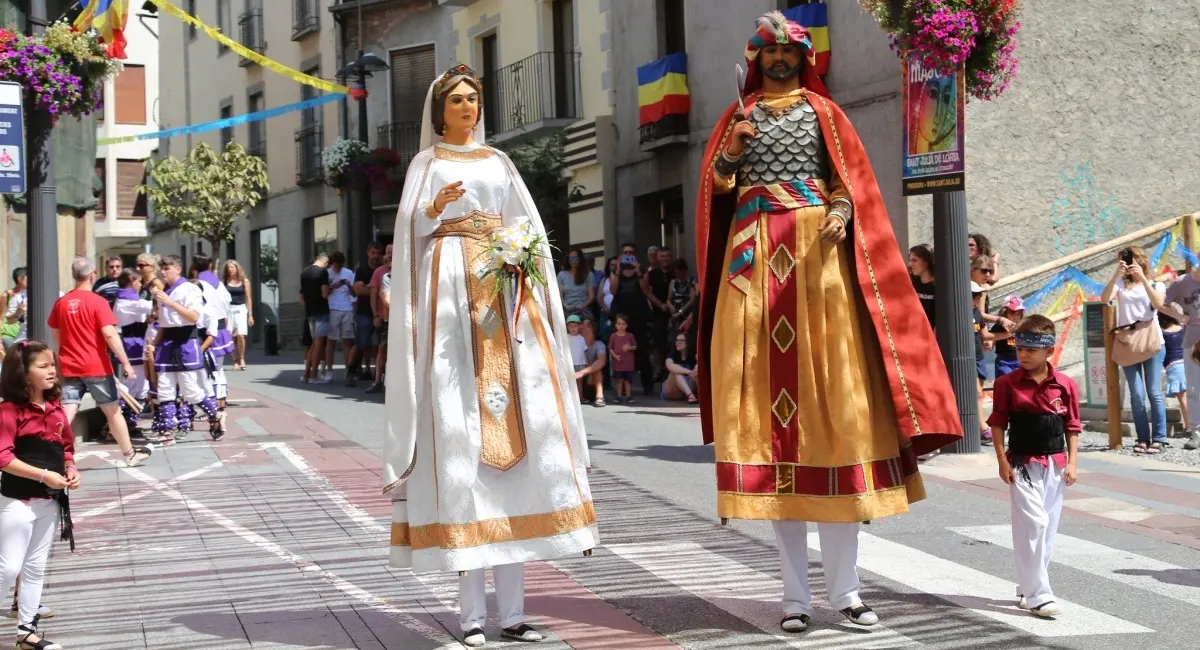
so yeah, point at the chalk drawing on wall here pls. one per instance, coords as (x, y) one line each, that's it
(1084, 215)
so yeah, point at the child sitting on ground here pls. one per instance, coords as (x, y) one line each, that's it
(1038, 408)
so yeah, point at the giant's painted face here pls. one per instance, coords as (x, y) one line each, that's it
(462, 107)
(780, 62)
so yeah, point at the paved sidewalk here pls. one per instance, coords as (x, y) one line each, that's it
(274, 537)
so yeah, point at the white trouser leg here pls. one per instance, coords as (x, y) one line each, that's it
(193, 386)
(472, 600)
(220, 386)
(1036, 507)
(137, 384)
(509, 580)
(1192, 370)
(791, 537)
(839, 558)
(26, 534)
(168, 382)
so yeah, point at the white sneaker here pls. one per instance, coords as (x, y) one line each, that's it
(860, 614)
(795, 623)
(474, 638)
(320, 379)
(1046, 610)
(522, 632)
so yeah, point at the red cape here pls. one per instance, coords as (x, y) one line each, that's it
(919, 384)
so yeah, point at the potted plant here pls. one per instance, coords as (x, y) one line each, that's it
(64, 71)
(979, 35)
(372, 169)
(337, 161)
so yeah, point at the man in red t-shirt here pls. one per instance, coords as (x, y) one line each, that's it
(85, 330)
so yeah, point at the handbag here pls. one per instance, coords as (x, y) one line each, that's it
(1135, 343)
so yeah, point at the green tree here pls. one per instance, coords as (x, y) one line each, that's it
(268, 264)
(540, 164)
(204, 193)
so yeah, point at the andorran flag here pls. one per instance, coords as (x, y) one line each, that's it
(107, 17)
(815, 18)
(663, 90)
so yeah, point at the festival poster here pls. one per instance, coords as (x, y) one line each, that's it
(933, 129)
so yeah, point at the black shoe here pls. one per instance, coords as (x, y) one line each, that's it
(860, 614)
(351, 380)
(375, 388)
(522, 632)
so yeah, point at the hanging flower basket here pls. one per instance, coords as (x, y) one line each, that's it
(338, 158)
(979, 35)
(64, 71)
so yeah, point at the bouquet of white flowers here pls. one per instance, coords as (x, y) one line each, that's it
(337, 158)
(514, 252)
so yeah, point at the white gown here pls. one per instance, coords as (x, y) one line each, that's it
(485, 453)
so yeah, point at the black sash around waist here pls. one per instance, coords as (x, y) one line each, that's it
(221, 324)
(1036, 434)
(42, 454)
(134, 330)
(179, 334)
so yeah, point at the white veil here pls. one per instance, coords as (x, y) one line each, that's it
(399, 445)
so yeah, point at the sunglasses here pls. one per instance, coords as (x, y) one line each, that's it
(987, 271)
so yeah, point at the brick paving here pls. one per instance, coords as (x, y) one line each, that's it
(274, 537)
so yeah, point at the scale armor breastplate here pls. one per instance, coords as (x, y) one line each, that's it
(789, 147)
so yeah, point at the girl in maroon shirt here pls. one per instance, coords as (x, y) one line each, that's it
(37, 466)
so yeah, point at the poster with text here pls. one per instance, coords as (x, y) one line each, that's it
(933, 129)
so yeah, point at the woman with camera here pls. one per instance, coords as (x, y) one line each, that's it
(631, 291)
(1138, 344)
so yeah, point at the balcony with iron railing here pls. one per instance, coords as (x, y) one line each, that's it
(250, 26)
(532, 97)
(258, 146)
(405, 139)
(308, 155)
(306, 18)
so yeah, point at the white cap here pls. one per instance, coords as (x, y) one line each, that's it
(975, 288)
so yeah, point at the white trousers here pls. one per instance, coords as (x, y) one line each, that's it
(192, 384)
(26, 535)
(839, 555)
(1036, 508)
(218, 385)
(510, 596)
(137, 385)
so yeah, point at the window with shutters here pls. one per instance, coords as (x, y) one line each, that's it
(413, 69)
(258, 134)
(671, 27)
(227, 132)
(130, 90)
(129, 175)
(224, 22)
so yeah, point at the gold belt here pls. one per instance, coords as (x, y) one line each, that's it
(475, 224)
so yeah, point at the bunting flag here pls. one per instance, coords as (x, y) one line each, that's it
(225, 122)
(815, 18)
(108, 17)
(247, 53)
(663, 89)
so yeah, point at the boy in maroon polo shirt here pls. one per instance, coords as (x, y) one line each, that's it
(1038, 407)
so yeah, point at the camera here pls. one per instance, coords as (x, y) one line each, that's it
(628, 260)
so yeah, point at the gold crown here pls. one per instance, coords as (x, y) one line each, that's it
(455, 71)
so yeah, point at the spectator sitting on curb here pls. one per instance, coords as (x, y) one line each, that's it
(596, 357)
(681, 384)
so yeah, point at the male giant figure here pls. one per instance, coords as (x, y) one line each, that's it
(823, 377)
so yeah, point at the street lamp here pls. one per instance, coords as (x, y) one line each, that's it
(359, 69)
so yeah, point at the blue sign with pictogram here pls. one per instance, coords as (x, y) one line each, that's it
(12, 139)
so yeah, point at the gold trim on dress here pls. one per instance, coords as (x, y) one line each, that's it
(482, 153)
(784, 407)
(501, 423)
(783, 334)
(862, 239)
(781, 263)
(475, 224)
(494, 531)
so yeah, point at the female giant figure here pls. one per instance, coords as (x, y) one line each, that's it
(485, 454)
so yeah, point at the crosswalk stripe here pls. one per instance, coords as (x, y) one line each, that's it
(1127, 568)
(752, 596)
(977, 591)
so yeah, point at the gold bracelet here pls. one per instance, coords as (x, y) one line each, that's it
(838, 214)
(431, 211)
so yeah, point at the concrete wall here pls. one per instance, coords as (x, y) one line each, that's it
(1097, 136)
(864, 79)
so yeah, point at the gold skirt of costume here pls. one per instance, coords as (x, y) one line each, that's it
(805, 426)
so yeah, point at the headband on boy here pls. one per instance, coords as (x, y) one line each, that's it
(1035, 341)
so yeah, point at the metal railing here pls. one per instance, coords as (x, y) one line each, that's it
(668, 126)
(405, 139)
(258, 146)
(543, 86)
(306, 18)
(308, 155)
(250, 25)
